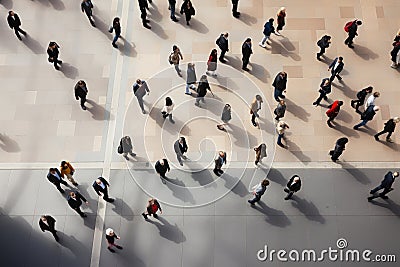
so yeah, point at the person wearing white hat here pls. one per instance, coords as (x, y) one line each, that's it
(389, 128)
(111, 236)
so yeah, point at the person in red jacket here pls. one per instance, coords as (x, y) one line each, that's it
(333, 111)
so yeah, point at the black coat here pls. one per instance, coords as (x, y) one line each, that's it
(323, 42)
(326, 88)
(296, 186)
(87, 7)
(353, 29)
(361, 95)
(81, 91)
(388, 180)
(268, 28)
(50, 220)
(339, 67)
(53, 53)
(369, 113)
(98, 188)
(76, 203)
(280, 82)
(13, 21)
(53, 179)
(111, 238)
(202, 89)
(390, 125)
(246, 50)
(223, 43)
(162, 169)
(180, 148)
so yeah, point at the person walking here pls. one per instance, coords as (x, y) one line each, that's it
(371, 100)
(175, 57)
(261, 152)
(255, 106)
(191, 78)
(100, 185)
(167, 109)
(75, 202)
(152, 207)
(281, 20)
(180, 148)
(188, 9)
(53, 52)
(219, 162)
(323, 44)
(351, 28)
(172, 7)
(126, 147)
(280, 129)
(268, 29)
(361, 95)
(223, 44)
(15, 22)
(162, 167)
(367, 116)
(86, 7)
(335, 68)
(202, 90)
(389, 128)
(246, 52)
(333, 111)
(324, 89)
(386, 185)
(143, 13)
(279, 85)
(140, 89)
(116, 27)
(110, 237)
(280, 110)
(66, 169)
(212, 63)
(258, 191)
(55, 177)
(226, 116)
(81, 92)
(340, 146)
(292, 186)
(395, 55)
(235, 13)
(48, 223)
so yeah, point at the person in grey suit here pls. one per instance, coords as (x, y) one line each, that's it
(180, 147)
(139, 89)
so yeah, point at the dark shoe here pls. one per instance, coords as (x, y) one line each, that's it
(75, 184)
(254, 124)
(126, 157)
(376, 138)
(147, 26)
(236, 15)
(187, 23)
(250, 202)
(56, 238)
(155, 215)
(370, 199)
(350, 46)
(286, 190)
(115, 46)
(110, 249)
(83, 107)
(319, 58)
(175, 19)
(57, 67)
(246, 69)
(339, 78)
(222, 60)
(355, 128)
(371, 192)
(132, 154)
(19, 37)
(389, 140)
(144, 216)
(325, 98)
(83, 215)
(329, 124)
(287, 198)
(352, 104)
(111, 200)
(118, 247)
(315, 104)
(281, 145)
(62, 191)
(384, 197)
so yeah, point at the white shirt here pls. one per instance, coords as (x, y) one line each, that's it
(336, 65)
(258, 105)
(102, 185)
(56, 175)
(370, 101)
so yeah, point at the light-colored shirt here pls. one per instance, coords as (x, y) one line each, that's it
(336, 65)
(102, 185)
(56, 175)
(258, 105)
(370, 101)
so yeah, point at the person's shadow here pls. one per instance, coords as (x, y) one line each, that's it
(128, 49)
(356, 173)
(74, 245)
(296, 110)
(364, 52)
(103, 27)
(390, 205)
(33, 45)
(122, 209)
(273, 216)
(179, 190)
(235, 185)
(169, 231)
(8, 144)
(69, 71)
(98, 112)
(56, 4)
(308, 208)
(83, 189)
(247, 19)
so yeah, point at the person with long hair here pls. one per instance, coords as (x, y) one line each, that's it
(167, 109)
(281, 20)
(212, 63)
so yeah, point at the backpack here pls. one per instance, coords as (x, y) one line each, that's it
(170, 58)
(348, 25)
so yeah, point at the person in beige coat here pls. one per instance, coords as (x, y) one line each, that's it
(261, 152)
(280, 129)
(254, 108)
(175, 57)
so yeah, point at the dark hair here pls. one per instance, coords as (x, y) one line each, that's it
(271, 20)
(9, 12)
(340, 58)
(359, 22)
(340, 103)
(214, 51)
(248, 40)
(174, 47)
(168, 101)
(342, 141)
(115, 20)
(369, 88)
(63, 162)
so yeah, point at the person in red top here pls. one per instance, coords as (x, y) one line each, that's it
(333, 111)
(212, 63)
(152, 207)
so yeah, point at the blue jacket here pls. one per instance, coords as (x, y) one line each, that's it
(388, 180)
(268, 28)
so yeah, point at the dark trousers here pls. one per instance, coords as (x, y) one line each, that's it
(280, 27)
(245, 61)
(382, 194)
(55, 61)
(279, 141)
(322, 95)
(54, 233)
(382, 132)
(321, 52)
(17, 30)
(115, 38)
(105, 194)
(222, 55)
(253, 118)
(89, 15)
(335, 154)
(59, 186)
(277, 94)
(78, 210)
(255, 199)
(331, 118)
(334, 74)
(143, 16)
(234, 7)
(349, 40)
(358, 103)
(83, 100)
(162, 174)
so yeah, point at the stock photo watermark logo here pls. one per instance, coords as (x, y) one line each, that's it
(340, 253)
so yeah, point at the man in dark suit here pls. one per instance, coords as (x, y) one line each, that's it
(75, 202)
(258, 191)
(389, 128)
(335, 68)
(352, 33)
(53, 52)
(172, 7)
(81, 92)
(223, 44)
(140, 88)
(14, 22)
(143, 6)
(54, 176)
(86, 7)
(386, 185)
(279, 84)
(162, 167)
(235, 13)
(361, 95)
(101, 187)
(47, 223)
(324, 90)
(293, 186)
(246, 52)
(219, 162)
(367, 116)
(180, 147)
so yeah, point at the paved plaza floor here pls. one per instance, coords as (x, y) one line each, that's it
(206, 221)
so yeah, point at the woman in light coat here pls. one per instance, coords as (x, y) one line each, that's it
(167, 109)
(226, 116)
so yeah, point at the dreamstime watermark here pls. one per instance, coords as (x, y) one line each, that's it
(330, 254)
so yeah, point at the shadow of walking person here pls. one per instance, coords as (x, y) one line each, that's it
(273, 216)
(33, 45)
(122, 209)
(8, 144)
(308, 209)
(390, 205)
(169, 231)
(69, 71)
(98, 112)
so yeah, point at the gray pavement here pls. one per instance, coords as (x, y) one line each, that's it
(228, 232)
